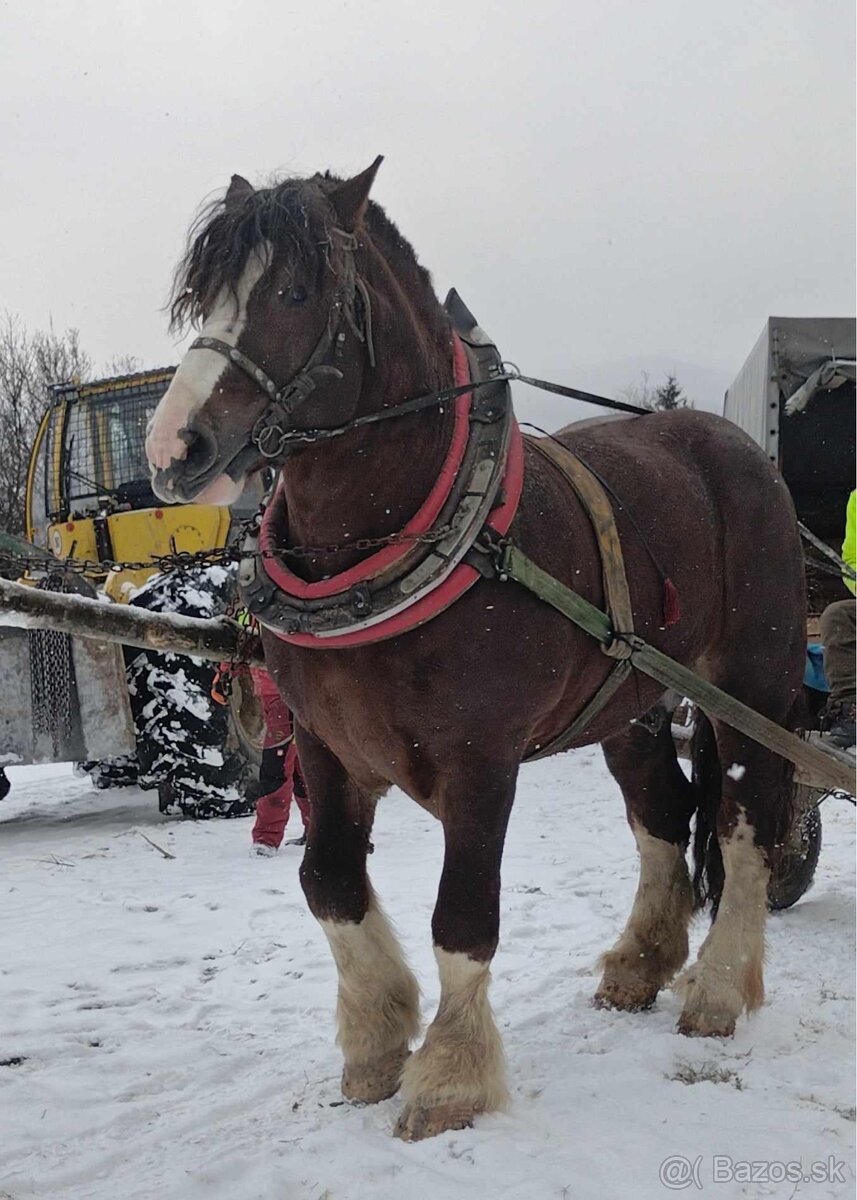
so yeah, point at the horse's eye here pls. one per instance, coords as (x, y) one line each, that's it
(294, 295)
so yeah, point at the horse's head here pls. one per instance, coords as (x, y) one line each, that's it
(270, 280)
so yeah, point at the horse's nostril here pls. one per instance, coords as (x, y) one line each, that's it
(202, 451)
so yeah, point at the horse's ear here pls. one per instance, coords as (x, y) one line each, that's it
(238, 191)
(350, 198)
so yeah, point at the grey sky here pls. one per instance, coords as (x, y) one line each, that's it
(608, 185)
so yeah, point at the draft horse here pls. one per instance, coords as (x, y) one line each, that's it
(324, 353)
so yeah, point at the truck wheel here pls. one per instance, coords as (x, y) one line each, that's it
(795, 871)
(188, 746)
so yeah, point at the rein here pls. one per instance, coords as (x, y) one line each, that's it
(290, 437)
(274, 434)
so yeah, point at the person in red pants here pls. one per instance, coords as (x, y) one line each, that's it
(280, 777)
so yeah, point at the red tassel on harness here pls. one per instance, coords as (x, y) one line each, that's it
(672, 608)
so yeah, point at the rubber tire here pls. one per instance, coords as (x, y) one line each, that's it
(187, 745)
(796, 870)
(112, 772)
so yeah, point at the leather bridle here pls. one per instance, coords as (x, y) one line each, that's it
(270, 434)
(274, 434)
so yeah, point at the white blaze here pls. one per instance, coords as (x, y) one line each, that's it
(200, 370)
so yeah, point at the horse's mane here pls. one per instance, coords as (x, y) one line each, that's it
(294, 216)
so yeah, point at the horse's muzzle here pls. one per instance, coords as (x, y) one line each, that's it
(208, 459)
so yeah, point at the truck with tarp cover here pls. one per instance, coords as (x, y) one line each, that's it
(795, 397)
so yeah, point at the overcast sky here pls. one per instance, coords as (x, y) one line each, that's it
(608, 185)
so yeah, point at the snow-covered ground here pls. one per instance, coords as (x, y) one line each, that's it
(167, 1024)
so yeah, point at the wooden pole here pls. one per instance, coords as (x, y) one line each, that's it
(218, 640)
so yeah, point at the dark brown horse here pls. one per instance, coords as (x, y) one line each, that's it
(309, 284)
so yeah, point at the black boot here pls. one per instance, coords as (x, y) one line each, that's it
(839, 723)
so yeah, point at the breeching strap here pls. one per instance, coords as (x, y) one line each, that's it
(514, 564)
(600, 512)
(598, 509)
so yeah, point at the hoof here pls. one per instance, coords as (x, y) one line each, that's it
(627, 996)
(712, 1003)
(706, 1025)
(417, 1122)
(371, 1082)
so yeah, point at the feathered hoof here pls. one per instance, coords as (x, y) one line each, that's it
(712, 1003)
(418, 1122)
(706, 1025)
(625, 995)
(371, 1082)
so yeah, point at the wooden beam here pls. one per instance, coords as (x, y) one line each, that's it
(218, 640)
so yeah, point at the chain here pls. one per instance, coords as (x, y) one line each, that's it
(184, 560)
(51, 674)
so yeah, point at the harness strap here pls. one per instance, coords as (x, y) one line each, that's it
(600, 512)
(619, 672)
(820, 767)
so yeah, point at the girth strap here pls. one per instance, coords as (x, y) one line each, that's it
(600, 512)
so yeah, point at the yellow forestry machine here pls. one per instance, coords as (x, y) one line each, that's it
(132, 717)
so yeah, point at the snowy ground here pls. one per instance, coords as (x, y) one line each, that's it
(167, 1023)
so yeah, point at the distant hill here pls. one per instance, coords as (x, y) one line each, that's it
(704, 386)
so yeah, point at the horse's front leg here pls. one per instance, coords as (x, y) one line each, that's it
(459, 1070)
(377, 1007)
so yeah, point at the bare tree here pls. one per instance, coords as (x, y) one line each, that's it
(640, 393)
(122, 364)
(28, 364)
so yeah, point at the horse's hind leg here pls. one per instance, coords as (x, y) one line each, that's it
(378, 999)
(459, 1070)
(659, 802)
(752, 817)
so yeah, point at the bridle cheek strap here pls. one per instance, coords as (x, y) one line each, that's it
(268, 435)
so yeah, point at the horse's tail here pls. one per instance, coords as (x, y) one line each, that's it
(706, 780)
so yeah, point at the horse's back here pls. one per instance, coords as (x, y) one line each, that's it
(666, 447)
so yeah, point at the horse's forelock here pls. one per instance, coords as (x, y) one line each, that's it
(292, 217)
(295, 217)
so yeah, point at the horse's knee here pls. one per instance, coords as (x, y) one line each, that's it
(335, 885)
(333, 870)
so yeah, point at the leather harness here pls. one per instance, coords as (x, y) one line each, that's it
(403, 589)
(405, 585)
